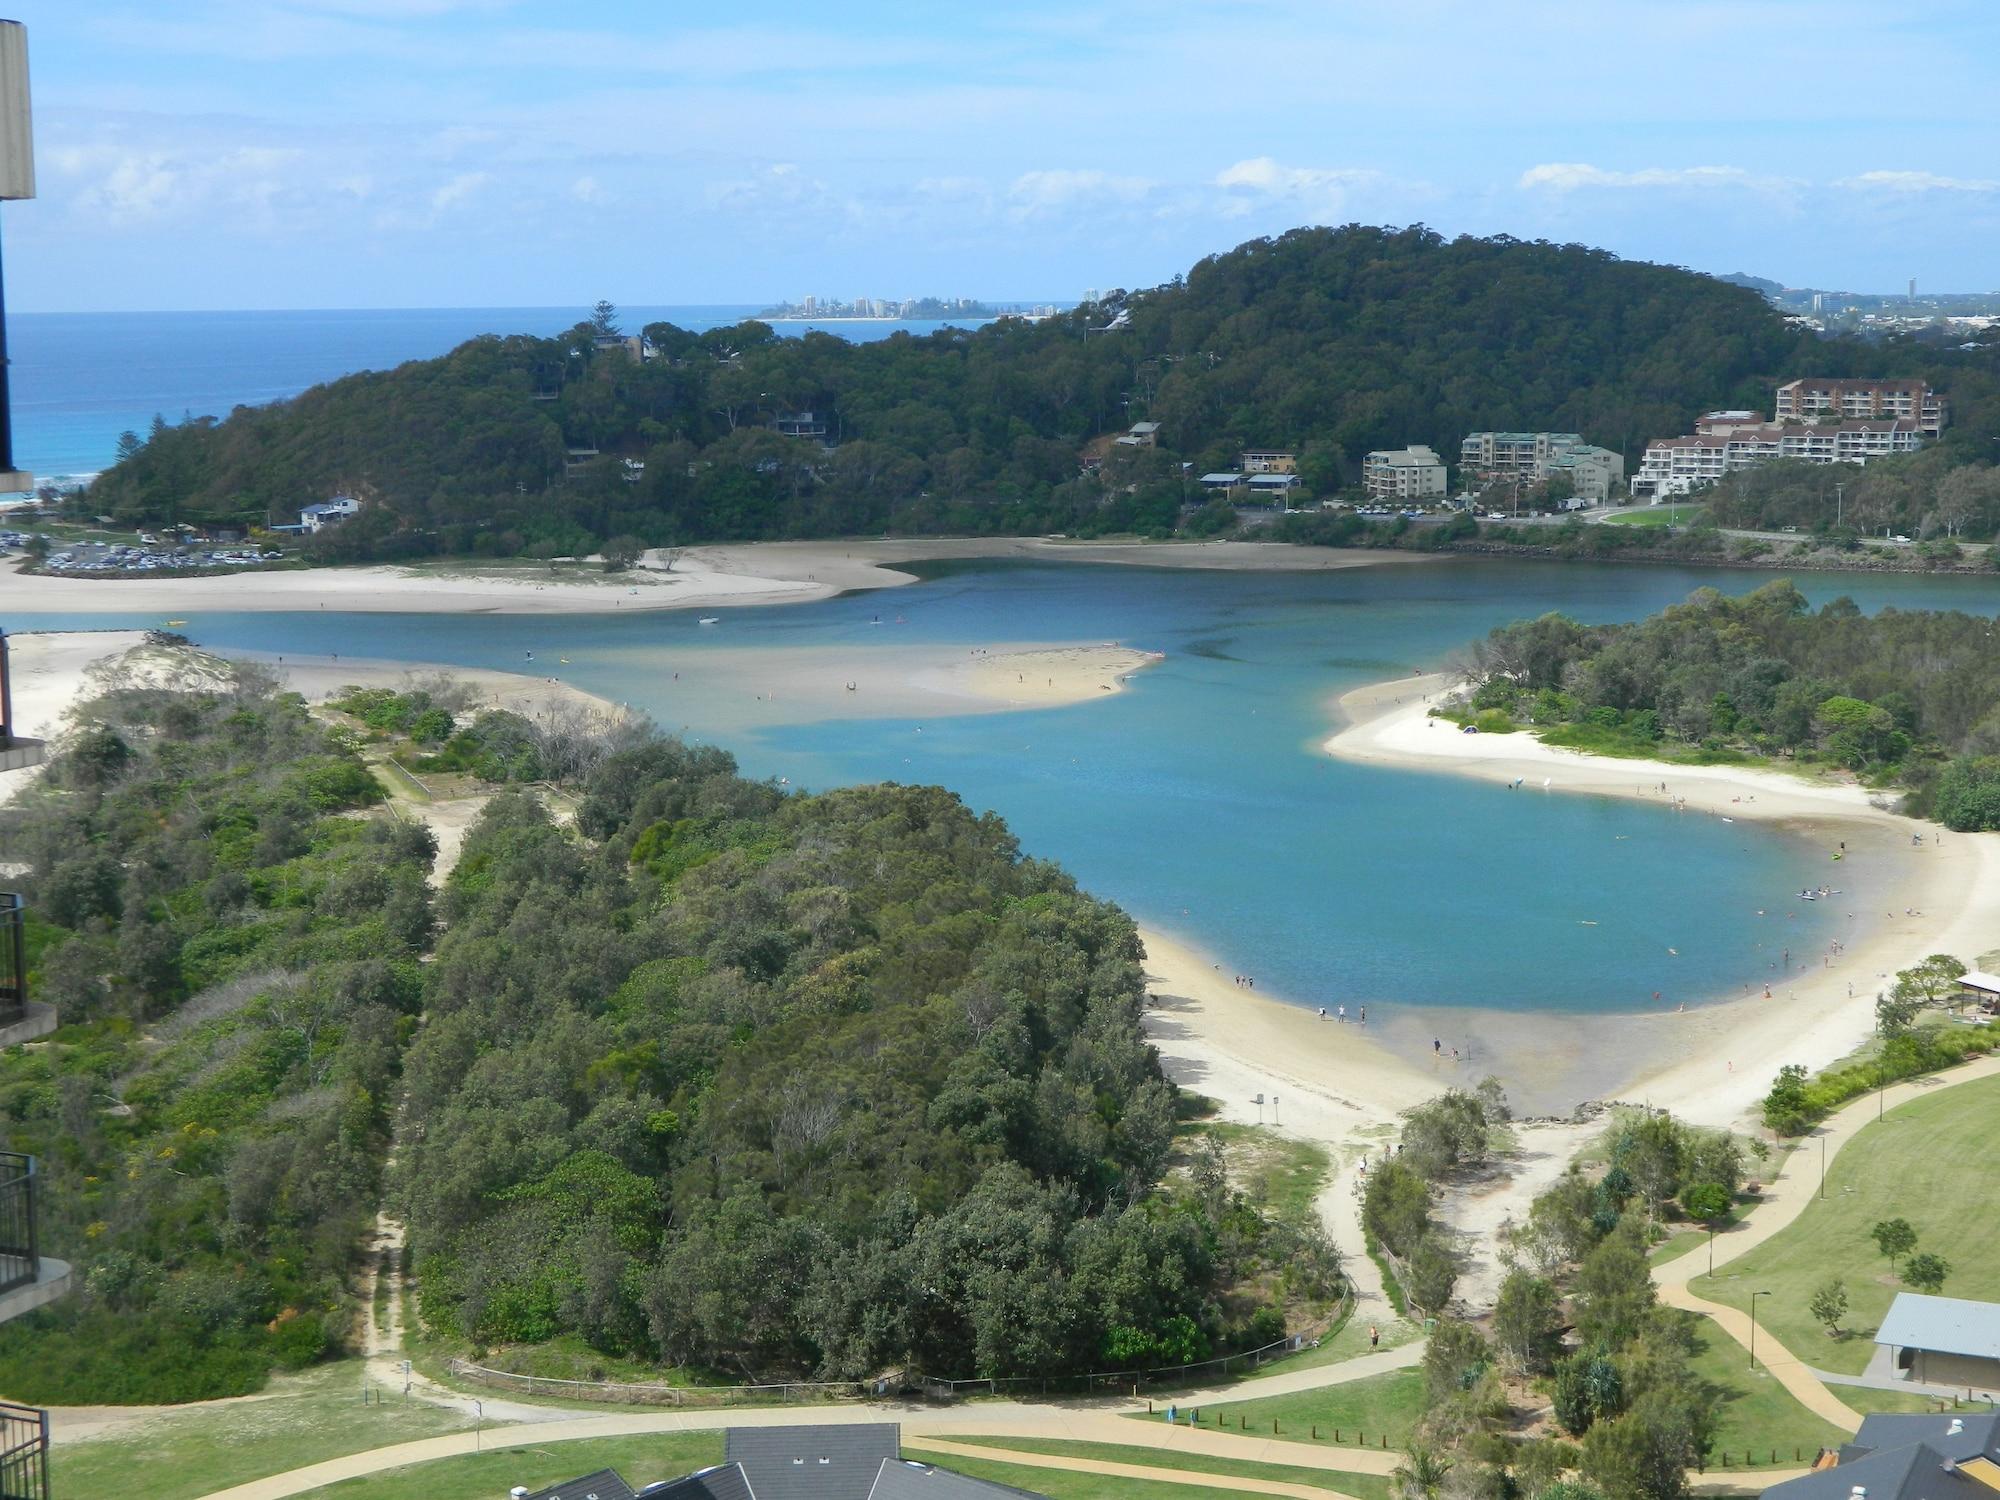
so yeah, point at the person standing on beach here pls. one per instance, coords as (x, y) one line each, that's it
(1437, 1047)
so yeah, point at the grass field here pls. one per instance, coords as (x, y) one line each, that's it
(1361, 1486)
(1280, 1172)
(1387, 1403)
(1058, 1485)
(194, 1451)
(489, 1475)
(1654, 515)
(1922, 1163)
(1757, 1414)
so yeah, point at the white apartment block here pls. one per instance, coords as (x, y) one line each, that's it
(1513, 455)
(1811, 399)
(1412, 473)
(1677, 466)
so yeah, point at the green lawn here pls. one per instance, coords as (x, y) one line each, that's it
(1387, 1403)
(1677, 1245)
(486, 1476)
(1361, 1486)
(191, 1452)
(1923, 1164)
(1757, 1414)
(1864, 1400)
(1058, 1485)
(1654, 515)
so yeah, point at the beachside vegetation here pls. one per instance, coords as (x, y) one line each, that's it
(231, 942)
(1327, 342)
(700, 1074)
(1909, 697)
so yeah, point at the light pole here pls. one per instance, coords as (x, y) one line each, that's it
(1753, 1326)
(480, 1426)
(1711, 1252)
(1822, 1164)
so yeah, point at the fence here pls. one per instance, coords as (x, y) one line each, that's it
(20, 1254)
(24, 1453)
(789, 1392)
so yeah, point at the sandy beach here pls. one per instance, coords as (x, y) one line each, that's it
(1713, 1063)
(716, 577)
(48, 674)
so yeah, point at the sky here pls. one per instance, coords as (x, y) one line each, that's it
(218, 154)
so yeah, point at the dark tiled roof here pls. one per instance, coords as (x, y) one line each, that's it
(834, 1461)
(605, 1484)
(1915, 1471)
(901, 1479)
(723, 1482)
(1958, 1436)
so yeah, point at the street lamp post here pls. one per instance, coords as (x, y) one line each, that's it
(1822, 1164)
(1753, 1326)
(1711, 1251)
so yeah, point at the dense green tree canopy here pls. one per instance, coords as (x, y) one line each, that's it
(1327, 341)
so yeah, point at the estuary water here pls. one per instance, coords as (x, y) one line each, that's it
(1199, 798)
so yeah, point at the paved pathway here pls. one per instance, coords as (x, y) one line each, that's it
(1786, 1197)
(1101, 1424)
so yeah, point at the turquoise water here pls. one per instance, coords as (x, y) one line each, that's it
(1199, 799)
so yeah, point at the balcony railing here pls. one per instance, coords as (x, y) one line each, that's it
(13, 961)
(24, 1453)
(20, 1249)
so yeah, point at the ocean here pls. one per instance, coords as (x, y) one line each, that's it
(81, 379)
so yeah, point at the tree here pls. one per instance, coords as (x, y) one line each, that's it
(621, 552)
(129, 444)
(1926, 1272)
(1786, 1108)
(1707, 1202)
(1527, 1322)
(1422, 1473)
(1894, 1238)
(1829, 1305)
(604, 319)
(1429, 1275)
(1614, 1288)
(1930, 982)
(1588, 1388)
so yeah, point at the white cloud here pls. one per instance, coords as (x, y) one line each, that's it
(459, 189)
(587, 189)
(1321, 192)
(1917, 182)
(1034, 192)
(1572, 176)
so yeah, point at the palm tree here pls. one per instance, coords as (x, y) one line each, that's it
(1421, 1473)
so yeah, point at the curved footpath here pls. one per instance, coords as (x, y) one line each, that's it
(1795, 1186)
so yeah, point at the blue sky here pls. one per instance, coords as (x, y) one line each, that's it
(383, 153)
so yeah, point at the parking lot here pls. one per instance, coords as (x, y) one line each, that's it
(99, 558)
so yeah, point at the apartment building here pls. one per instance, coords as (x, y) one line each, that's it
(1677, 466)
(1813, 398)
(1591, 471)
(1490, 456)
(1267, 461)
(1412, 473)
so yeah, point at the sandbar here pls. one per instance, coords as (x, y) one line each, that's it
(1713, 1063)
(713, 577)
(48, 675)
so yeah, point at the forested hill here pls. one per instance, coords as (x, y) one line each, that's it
(1328, 341)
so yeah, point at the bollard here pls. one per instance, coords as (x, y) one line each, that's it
(1274, 1427)
(1315, 1432)
(1774, 1455)
(1385, 1440)
(1242, 1424)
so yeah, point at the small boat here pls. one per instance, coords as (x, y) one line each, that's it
(177, 622)
(709, 620)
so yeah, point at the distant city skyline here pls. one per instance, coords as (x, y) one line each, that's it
(222, 154)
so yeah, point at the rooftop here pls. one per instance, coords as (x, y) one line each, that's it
(1944, 1325)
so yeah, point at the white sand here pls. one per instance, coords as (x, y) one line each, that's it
(1722, 1057)
(49, 674)
(698, 578)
